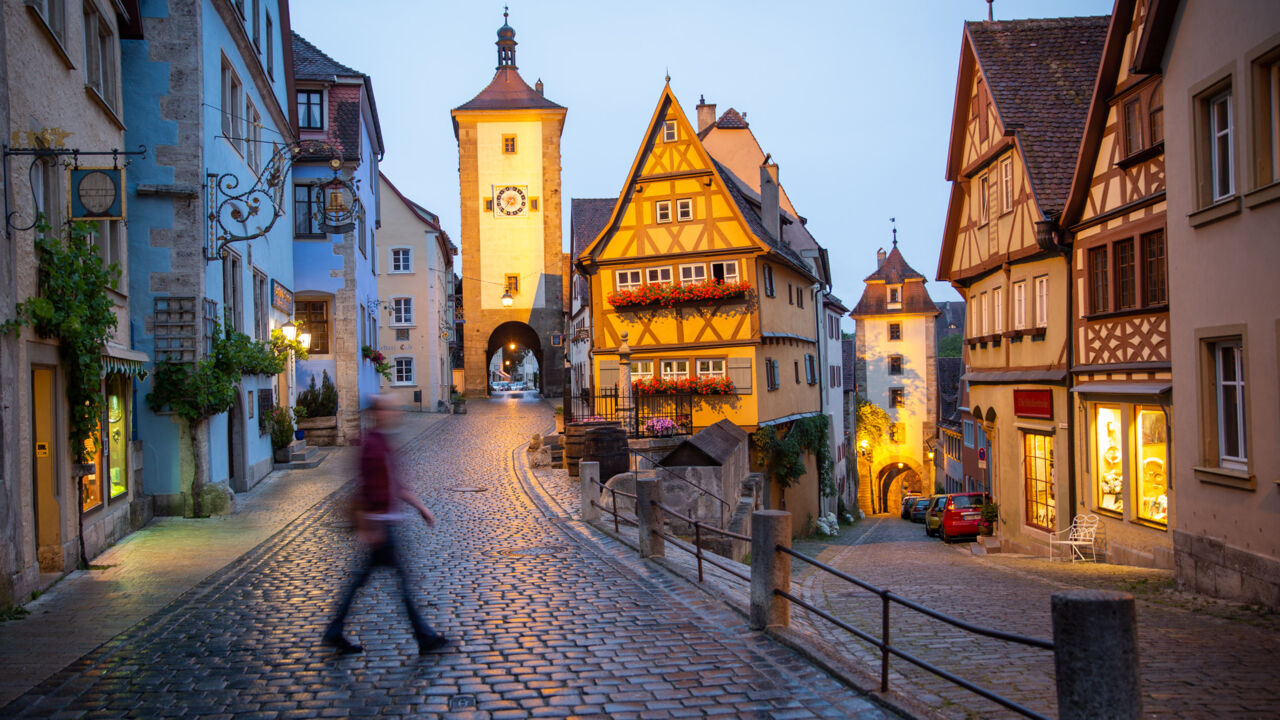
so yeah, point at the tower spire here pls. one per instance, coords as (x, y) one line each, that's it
(895, 231)
(506, 42)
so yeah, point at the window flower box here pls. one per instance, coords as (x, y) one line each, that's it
(669, 295)
(684, 386)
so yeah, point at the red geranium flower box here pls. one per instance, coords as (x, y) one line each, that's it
(668, 294)
(684, 386)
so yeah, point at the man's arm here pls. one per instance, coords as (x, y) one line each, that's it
(408, 496)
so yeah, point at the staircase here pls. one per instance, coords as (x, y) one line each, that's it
(302, 456)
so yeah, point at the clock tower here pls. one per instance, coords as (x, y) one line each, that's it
(509, 176)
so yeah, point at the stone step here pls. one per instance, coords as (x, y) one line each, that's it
(315, 456)
(302, 454)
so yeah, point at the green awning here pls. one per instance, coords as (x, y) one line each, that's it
(124, 361)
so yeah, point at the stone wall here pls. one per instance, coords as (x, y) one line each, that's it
(1207, 565)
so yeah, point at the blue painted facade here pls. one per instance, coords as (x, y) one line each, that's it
(173, 103)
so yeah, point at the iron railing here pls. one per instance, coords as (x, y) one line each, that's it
(642, 416)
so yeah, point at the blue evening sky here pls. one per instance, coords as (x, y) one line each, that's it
(853, 99)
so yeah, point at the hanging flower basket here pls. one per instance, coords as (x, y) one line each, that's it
(669, 295)
(684, 386)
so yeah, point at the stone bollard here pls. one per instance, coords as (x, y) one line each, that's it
(650, 517)
(1095, 655)
(588, 476)
(770, 569)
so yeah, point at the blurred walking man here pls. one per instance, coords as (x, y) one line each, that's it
(376, 519)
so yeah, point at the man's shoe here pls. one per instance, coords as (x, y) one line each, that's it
(342, 645)
(431, 643)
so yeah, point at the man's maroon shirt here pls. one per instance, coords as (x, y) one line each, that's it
(375, 473)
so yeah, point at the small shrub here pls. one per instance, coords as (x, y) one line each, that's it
(281, 427)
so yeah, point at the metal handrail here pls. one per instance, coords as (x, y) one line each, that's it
(697, 540)
(712, 528)
(886, 647)
(677, 476)
(697, 552)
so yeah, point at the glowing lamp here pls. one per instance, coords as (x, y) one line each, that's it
(507, 299)
(304, 337)
(290, 331)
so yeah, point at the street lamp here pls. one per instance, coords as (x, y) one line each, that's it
(304, 339)
(507, 299)
(290, 331)
(511, 346)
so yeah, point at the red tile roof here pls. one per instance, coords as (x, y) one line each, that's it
(894, 271)
(507, 91)
(731, 119)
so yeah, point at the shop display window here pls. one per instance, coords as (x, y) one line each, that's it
(1109, 426)
(91, 495)
(1151, 496)
(117, 440)
(1037, 456)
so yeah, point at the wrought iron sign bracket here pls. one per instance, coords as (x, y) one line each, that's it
(54, 155)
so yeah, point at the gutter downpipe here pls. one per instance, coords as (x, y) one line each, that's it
(819, 305)
(1065, 248)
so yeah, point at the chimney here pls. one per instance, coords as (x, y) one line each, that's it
(880, 257)
(706, 114)
(769, 213)
(538, 86)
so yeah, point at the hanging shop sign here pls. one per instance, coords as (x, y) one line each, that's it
(1033, 404)
(281, 298)
(96, 193)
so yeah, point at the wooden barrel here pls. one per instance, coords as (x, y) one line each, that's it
(574, 435)
(607, 445)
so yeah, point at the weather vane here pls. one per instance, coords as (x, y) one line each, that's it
(895, 231)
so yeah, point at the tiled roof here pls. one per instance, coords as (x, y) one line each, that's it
(894, 270)
(1041, 75)
(309, 63)
(749, 203)
(588, 218)
(731, 119)
(507, 91)
(949, 371)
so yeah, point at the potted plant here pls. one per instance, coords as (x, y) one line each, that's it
(281, 432)
(990, 514)
(459, 400)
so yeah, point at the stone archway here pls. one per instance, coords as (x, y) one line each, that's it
(520, 335)
(895, 481)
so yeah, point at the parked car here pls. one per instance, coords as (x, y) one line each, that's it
(918, 507)
(956, 515)
(933, 514)
(908, 502)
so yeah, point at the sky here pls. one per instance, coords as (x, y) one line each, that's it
(853, 99)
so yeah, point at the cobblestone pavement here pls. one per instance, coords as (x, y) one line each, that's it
(543, 625)
(1199, 658)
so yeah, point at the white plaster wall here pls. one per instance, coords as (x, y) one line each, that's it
(511, 244)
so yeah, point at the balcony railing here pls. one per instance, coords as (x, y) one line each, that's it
(642, 416)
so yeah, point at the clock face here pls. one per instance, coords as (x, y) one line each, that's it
(511, 201)
(97, 192)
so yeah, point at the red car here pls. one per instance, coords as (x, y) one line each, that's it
(960, 515)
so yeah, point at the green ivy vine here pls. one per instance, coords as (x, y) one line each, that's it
(72, 306)
(781, 453)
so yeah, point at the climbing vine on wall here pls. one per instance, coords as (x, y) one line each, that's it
(781, 453)
(72, 306)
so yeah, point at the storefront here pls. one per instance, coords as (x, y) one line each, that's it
(107, 493)
(1123, 454)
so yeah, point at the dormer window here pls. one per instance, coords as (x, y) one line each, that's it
(895, 297)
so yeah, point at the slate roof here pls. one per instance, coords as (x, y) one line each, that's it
(748, 201)
(310, 63)
(1041, 74)
(507, 91)
(731, 119)
(894, 270)
(713, 445)
(949, 371)
(848, 362)
(588, 218)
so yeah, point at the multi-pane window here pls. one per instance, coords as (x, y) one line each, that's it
(54, 14)
(895, 295)
(662, 211)
(627, 279)
(693, 274)
(402, 311)
(1221, 174)
(106, 236)
(811, 368)
(1230, 394)
(767, 275)
(1042, 301)
(306, 211)
(313, 317)
(895, 331)
(1037, 464)
(799, 297)
(401, 260)
(255, 22)
(725, 271)
(232, 102)
(311, 109)
(771, 373)
(710, 368)
(508, 144)
(997, 310)
(982, 200)
(253, 132)
(984, 310)
(1006, 184)
(968, 433)
(511, 282)
(1098, 280)
(100, 57)
(897, 397)
(658, 276)
(1126, 275)
(1020, 305)
(1155, 121)
(261, 307)
(1154, 288)
(404, 371)
(675, 369)
(684, 210)
(641, 369)
(895, 364)
(232, 295)
(1132, 127)
(669, 131)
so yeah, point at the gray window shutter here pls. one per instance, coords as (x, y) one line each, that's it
(739, 371)
(608, 375)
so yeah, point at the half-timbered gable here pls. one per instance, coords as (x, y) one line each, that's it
(1021, 99)
(1115, 219)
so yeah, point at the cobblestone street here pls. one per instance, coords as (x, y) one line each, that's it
(1199, 658)
(543, 624)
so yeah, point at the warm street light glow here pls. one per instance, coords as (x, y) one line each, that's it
(863, 445)
(290, 331)
(304, 338)
(900, 466)
(507, 299)
(512, 346)
(508, 362)
(930, 454)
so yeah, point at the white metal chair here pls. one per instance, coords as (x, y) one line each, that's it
(1082, 534)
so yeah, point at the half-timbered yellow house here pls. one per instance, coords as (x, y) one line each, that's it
(1021, 98)
(695, 271)
(1121, 381)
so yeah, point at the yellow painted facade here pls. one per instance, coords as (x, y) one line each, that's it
(677, 221)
